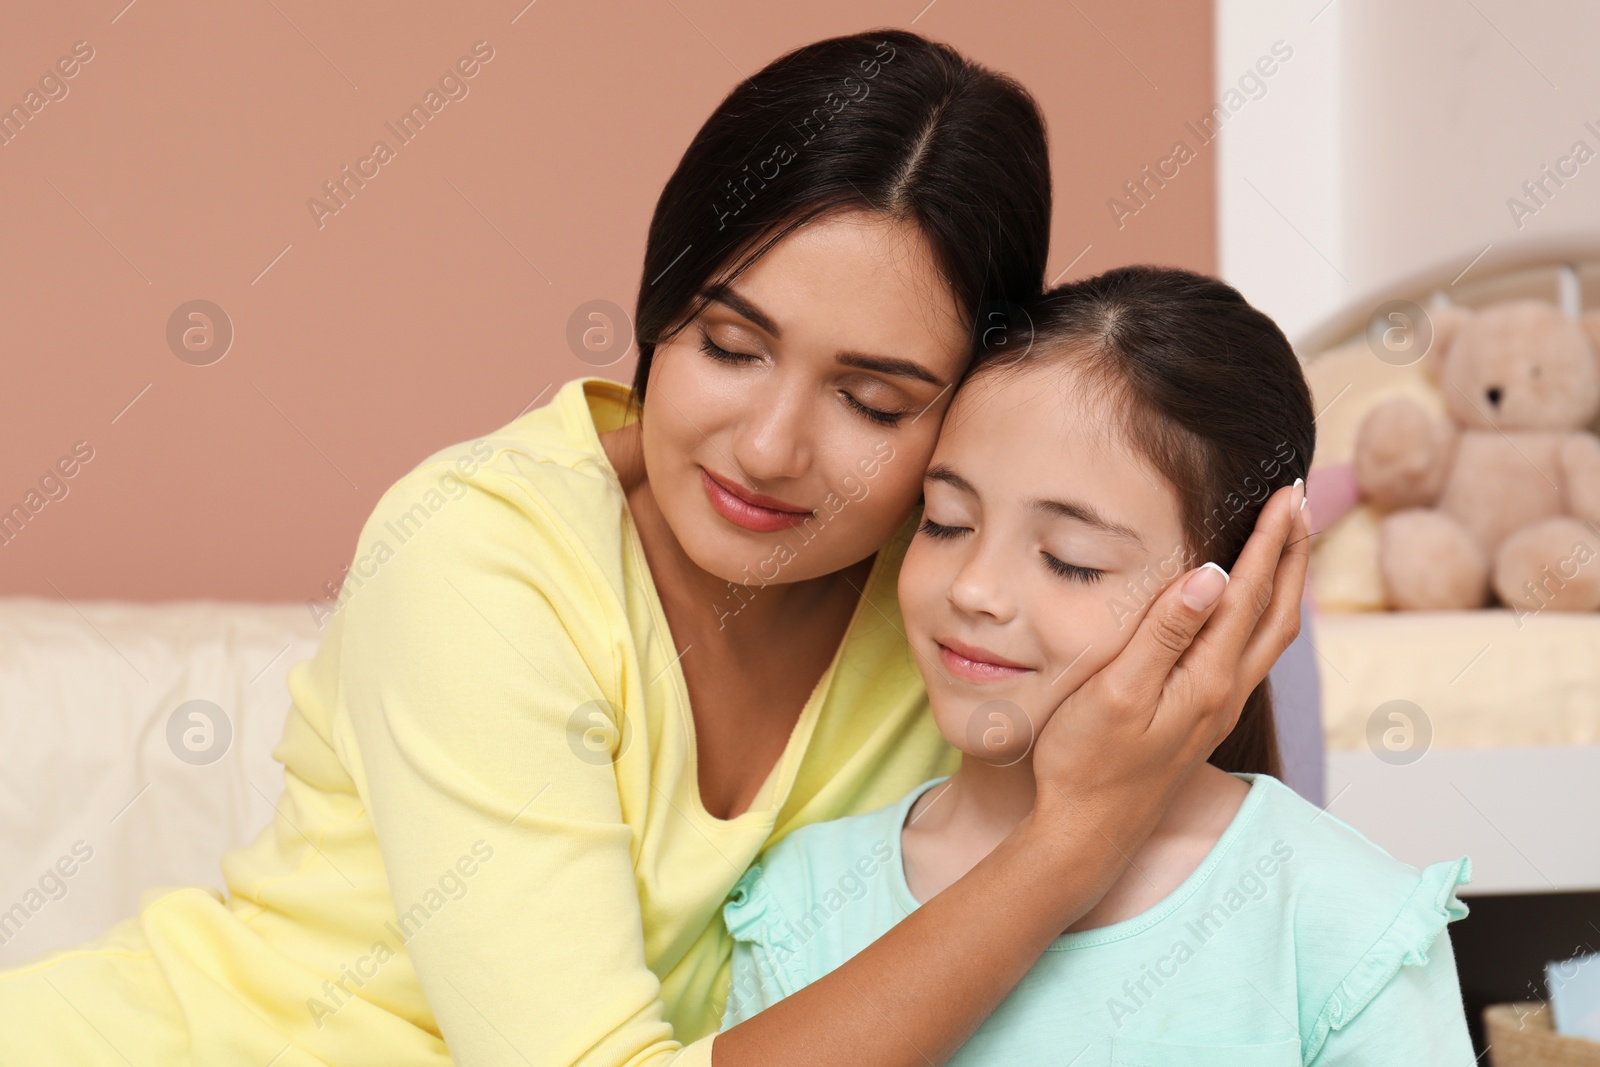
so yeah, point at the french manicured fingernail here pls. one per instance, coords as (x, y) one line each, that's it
(1300, 490)
(1204, 586)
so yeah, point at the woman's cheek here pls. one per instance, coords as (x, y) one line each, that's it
(874, 480)
(901, 462)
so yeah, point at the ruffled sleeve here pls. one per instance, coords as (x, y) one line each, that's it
(767, 957)
(1404, 991)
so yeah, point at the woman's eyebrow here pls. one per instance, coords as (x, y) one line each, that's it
(1087, 513)
(725, 295)
(899, 368)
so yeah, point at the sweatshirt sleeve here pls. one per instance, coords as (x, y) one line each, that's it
(478, 676)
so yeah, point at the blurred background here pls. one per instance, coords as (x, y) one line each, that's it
(432, 304)
(237, 328)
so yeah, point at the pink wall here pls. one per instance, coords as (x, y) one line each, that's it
(433, 306)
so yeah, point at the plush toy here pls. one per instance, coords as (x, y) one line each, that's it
(1504, 495)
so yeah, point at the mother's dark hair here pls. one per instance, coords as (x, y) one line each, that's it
(884, 121)
(1211, 394)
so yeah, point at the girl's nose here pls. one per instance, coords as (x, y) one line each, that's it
(980, 587)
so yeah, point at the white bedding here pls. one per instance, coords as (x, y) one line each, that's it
(1480, 679)
(84, 706)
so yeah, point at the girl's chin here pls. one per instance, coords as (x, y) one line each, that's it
(964, 722)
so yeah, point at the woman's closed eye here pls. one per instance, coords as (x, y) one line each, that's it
(722, 355)
(882, 418)
(872, 414)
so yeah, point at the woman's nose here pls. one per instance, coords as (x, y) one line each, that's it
(777, 443)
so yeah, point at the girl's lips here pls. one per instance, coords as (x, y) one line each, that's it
(976, 664)
(748, 510)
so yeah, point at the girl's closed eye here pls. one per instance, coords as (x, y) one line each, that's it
(1071, 571)
(939, 530)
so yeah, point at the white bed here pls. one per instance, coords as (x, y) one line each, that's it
(1511, 772)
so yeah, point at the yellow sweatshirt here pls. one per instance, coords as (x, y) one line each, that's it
(490, 832)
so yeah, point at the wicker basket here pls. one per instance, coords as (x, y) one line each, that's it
(1521, 1035)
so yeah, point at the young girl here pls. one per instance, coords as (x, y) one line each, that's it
(1152, 415)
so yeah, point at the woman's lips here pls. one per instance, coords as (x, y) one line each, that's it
(752, 511)
(977, 664)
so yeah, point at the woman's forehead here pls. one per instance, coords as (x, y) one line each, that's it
(855, 278)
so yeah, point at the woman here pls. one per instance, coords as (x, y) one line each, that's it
(597, 661)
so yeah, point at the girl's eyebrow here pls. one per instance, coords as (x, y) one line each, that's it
(943, 472)
(1087, 513)
(729, 298)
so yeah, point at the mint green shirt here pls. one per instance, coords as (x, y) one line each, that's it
(1296, 941)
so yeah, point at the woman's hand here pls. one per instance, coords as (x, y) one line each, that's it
(1109, 761)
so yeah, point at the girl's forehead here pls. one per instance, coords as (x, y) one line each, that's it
(1022, 434)
(1041, 396)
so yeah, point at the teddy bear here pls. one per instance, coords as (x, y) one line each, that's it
(1504, 494)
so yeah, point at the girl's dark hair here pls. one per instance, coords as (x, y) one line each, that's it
(885, 121)
(1210, 392)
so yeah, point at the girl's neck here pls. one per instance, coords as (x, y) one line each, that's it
(981, 802)
(953, 825)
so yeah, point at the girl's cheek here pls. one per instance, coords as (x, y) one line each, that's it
(1122, 602)
(1116, 618)
(1078, 631)
(924, 581)
(914, 579)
